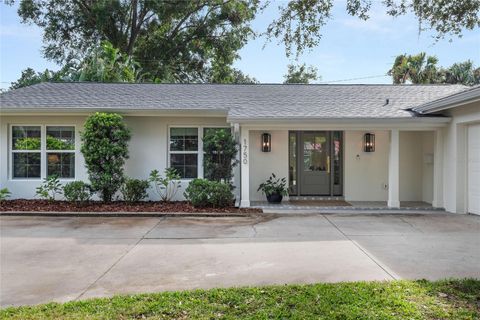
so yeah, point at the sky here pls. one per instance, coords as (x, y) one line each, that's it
(350, 51)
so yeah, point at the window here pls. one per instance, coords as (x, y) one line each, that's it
(28, 147)
(26, 154)
(184, 151)
(60, 151)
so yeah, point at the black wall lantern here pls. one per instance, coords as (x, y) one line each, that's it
(369, 142)
(266, 142)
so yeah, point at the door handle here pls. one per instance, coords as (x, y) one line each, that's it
(328, 164)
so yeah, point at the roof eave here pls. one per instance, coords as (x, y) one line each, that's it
(452, 101)
(390, 120)
(59, 111)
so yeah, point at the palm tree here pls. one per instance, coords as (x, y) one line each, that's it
(418, 69)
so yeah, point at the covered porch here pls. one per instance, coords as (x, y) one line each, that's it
(329, 162)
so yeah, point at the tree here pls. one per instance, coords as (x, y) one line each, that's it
(418, 69)
(300, 74)
(108, 64)
(299, 24)
(462, 72)
(105, 149)
(220, 151)
(30, 76)
(423, 69)
(172, 40)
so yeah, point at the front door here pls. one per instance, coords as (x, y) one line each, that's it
(314, 162)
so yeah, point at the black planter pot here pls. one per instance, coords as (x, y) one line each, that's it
(274, 198)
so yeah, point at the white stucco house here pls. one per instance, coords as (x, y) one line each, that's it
(389, 143)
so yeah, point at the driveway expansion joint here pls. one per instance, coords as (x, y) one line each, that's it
(118, 260)
(370, 256)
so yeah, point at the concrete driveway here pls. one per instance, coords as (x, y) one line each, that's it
(58, 259)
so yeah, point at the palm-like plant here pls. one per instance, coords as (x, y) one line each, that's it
(418, 69)
(108, 64)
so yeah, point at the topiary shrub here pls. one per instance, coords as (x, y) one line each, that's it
(205, 193)
(105, 149)
(220, 155)
(134, 190)
(77, 191)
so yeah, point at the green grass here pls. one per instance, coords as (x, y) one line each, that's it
(449, 299)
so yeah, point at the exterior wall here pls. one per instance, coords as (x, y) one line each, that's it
(263, 164)
(427, 166)
(366, 173)
(148, 147)
(455, 156)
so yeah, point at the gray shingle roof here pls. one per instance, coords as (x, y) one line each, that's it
(240, 101)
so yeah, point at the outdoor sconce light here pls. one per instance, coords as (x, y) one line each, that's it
(369, 142)
(266, 142)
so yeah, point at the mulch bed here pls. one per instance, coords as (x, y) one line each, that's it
(23, 205)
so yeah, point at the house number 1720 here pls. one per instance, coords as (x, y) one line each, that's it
(245, 152)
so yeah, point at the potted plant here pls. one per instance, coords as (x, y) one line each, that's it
(274, 188)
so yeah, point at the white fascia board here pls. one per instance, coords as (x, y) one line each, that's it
(418, 123)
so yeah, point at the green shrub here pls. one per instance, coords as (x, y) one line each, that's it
(166, 187)
(4, 194)
(134, 190)
(50, 188)
(220, 154)
(77, 191)
(205, 193)
(105, 149)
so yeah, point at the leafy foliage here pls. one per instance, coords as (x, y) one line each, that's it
(105, 149)
(220, 151)
(205, 193)
(108, 64)
(423, 69)
(77, 191)
(134, 190)
(274, 185)
(301, 74)
(4, 194)
(50, 188)
(30, 77)
(166, 187)
(300, 22)
(175, 41)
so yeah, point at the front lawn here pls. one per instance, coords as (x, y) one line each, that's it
(449, 299)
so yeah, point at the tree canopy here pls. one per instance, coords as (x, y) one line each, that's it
(301, 74)
(423, 69)
(174, 41)
(300, 22)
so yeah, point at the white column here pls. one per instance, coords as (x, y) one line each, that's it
(236, 169)
(394, 170)
(438, 169)
(245, 167)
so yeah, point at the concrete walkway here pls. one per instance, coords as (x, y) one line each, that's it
(59, 259)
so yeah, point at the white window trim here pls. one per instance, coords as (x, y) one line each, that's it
(43, 150)
(199, 152)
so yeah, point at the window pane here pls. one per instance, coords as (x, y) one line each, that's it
(60, 138)
(61, 164)
(26, 138)
(185, 164)
(183, 139)
(26, 165)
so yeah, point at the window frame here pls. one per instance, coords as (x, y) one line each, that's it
(43, 150)
(199, 152)
(72, 151)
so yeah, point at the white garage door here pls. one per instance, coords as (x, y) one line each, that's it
(474, 169)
